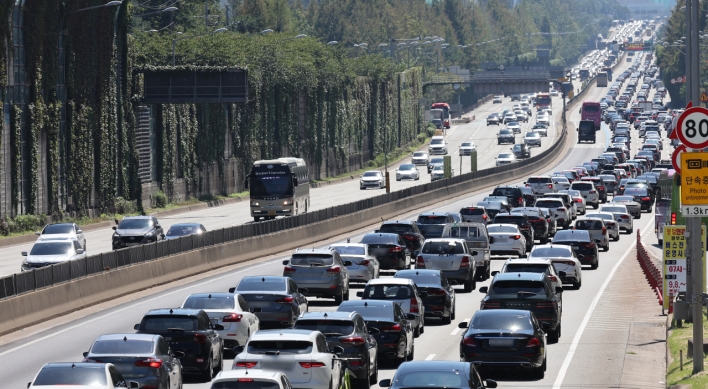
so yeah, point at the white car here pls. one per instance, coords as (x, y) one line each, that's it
(80, 375)
(63, 231)
(372, 179)
(564, 260)
(558, 210)
(541, 184)
(497, 99)
(467, 147)
(231, 311)
(508, 240)
(50, 252)
(407, 171)
(533, 265)
(580, 203)
(437, 146)
(514, 126)
(561, 182)
(420, 158)
(610, 222)
(543, 119)
(251, 379)
(505, 159)
(532, 138)
(634, 208)
(302, 355)
(624, 218)
(521, 115)
(588, 191)
(597, 229)
(438, 172)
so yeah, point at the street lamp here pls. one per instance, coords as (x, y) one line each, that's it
(174, 41)
(171, 10)
(109, 4)
(332, 43)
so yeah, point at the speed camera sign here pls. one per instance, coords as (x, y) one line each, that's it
(692, 127)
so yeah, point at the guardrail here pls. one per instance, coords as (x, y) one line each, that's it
(651, 272)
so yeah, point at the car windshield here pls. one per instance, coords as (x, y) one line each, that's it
(209, 302)
(165, 323)
(517, 286)
(93, 375)
(436, 142)
(431, 379)
(550, 252)
(123, 346)
(532, 135)
(436, 160)
(182, 230)
(505, 132)
(261, 284)
(135, 224)
(466, 144)
(339, 327)
(500, 321)
(503, 229)
(350, 250)
(622, 198)
(245, 384)
(505, 156)
(311, 260)
(419, 154)
(52, 248)
(407, 167)
(443, 247)
(282, 346)
(372, 174)
(388, 292)
(58, 229)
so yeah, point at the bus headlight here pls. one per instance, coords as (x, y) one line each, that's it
(254, 203)
(288, 201)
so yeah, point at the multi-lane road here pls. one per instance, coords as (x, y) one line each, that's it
(586, 356)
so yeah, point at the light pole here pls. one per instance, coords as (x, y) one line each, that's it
(171, 10)
(174, 41)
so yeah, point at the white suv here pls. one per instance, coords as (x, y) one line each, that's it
(541, 184)
(437, 146)
(588, 191)
(558, 210)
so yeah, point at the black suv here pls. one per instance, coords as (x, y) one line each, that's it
(408, 230)
(389, 249)
(520, 220)
(529, 196)
(521, 151)
(348, 331)
(582, 244)
(513, 193)
(191, 332)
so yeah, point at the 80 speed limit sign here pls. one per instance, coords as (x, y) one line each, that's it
(692, 127)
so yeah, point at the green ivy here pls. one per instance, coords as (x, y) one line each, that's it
(15, 144)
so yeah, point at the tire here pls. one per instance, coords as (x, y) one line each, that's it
(412, 353)
(256, 218)
(220, 367)
(539, 372)
(363, 382)
(554, 335)
(405, 356)
(416, 332)
(346, 295)
(595, 265)
(616, 239)
(470, 285)
(209, 372)
(422, 327)
(374, 378)
(454, 311)
(606, 248)
(340, 297)
(577, 285)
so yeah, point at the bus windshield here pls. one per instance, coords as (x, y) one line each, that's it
(543, 100)
(275, 182)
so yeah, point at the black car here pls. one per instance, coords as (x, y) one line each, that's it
(431, 224)
(582, 245)
(642, 195)
(599, 185)
(395, 337)
(505, 338)
(188, 331)
(539, 222)
(440, 298)
(348, 331)
(506, 136)
(521, 151)
(513, 193)
(493, 119)
(408, 230)
(137, 230)
(529, 196)
(520, 220)
(528, 291)
(437, 374)
(276, 301)
(390, 249)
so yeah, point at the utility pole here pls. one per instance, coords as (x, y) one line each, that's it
(206, 15)
(687, 86)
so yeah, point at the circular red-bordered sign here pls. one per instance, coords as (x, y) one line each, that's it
(676, 157)
(692, 127)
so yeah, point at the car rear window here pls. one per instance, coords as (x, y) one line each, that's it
(283, 346)
(588, 225)
(472, 211)
(432, 219)
(526, 268)
(464, 232)
(581, 186)
(516, 286)
(396, 228)
(572, 236)
(311, 260)
(503, 229)
(550, 252)
(443, 247)
(261, 284)
(420, 279)
(368, 311)
(58, 229)
(539, 180)
(123, 347)
(380, 239)
(172, 322)
(614, 209)
(68, 375)
(341, 327)
(549, 203)
(432, 379)
(636, 191)
(500, 321)
(506, 191)
(388, 292)
(209, 302)
(350, 250)
(245, 384)
(505, 219)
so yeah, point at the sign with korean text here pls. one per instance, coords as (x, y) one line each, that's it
(675, 269)
(694, 178)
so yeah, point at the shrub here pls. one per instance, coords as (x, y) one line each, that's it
(126, 207)
(159, 199)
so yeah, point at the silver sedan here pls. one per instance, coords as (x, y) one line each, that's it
(364, 267)
(407, 171)
(532, 138)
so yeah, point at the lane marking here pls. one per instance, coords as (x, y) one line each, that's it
(430, 357)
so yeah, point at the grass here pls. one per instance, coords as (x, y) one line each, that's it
(678, 340)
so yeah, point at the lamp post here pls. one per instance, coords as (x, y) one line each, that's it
(171, 10)
(174, 41)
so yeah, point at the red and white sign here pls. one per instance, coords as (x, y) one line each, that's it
(673, 81)
(676, 157)
(692, 127)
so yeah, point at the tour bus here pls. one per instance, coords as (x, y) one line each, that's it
(445, 107)
(591, 111)
(543, 100)
(278, 187)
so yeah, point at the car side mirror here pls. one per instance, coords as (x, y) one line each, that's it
(462, 324)
(134, 385)
(231, 290)
(423, 293)
(490, 384)
(348, 263)
(374, 330)
(157, 226)
(114, 228)
(238, 350)
(286, 262)
(377, 231)
(359, 294)
(24, 253)
(545, 327)
(29, 384)
(85, 354)
(495, 273)
(410, 316)
(561, 274)
(217, 327)
(559, 289)
(38, 233)
(80, 231)
(484, 289)
(385, 383)
(79, 251)
(336, 350)
(256, 310)
(136, 327)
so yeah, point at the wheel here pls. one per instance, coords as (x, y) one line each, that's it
(374, 379)
(454, 310)
(412, 353)
(405, 356)
(339, 297)
(220, 366)
(346, 295)
(422, 326)
(615, 239)
(539, 372)
(606, 248)
(577, 285)
(554, 335)
(256, 218)
(209, 372)
(470, 285)
(595, 264)
(416, 332)
(363, 382)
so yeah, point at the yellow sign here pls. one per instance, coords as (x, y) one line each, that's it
(704, 97)
(694, 178)
(674, 270)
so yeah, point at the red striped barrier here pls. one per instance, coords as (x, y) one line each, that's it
(651, 272)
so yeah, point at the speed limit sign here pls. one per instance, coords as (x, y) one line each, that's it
(676, 158)
(692, 127)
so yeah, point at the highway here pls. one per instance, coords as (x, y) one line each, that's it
(589, 353)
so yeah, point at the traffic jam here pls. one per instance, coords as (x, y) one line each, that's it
(338, 315)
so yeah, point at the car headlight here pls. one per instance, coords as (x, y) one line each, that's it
(288, 201)
(254, 203)
(115, 235)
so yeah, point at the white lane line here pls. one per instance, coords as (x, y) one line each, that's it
(457, 330)
(430, 357)
(576, 339)
(131, 306)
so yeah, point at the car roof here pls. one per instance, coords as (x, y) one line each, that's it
(433, 213)
(137, 217)
(434, 366)
(418, 272)
(537, 261)
(172, 311)
(395, 281)
(433, 240)
(398, 222)
(519, 276)
(186, 225)
(320, 251)
(329, 315)
(550, 245)
(285, 333)
(131, 336)
(60, 224)
(228, 375)
(210, 295)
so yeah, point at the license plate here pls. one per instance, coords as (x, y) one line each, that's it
(501, 342)
(258, 304)
(271, 213)
(279, 366)
(214, 321)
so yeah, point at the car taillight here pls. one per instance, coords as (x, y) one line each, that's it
(396, 249)
(646, 199)
(533, 342)
(569, 263)
(484, 217)
(420, 262)
(414, 305)
(232, 318)
(289, 269)
(604, 231)
(673, 218)
(470, 342)
(353, 340)
(309, 365)
(465, 262)
(601, 188)
(521, 199)
(150, 362)
(245, 380)
(550, 186)
(488, 305)
(528, 185)
(553, 278)
(284, 300)
(546, 305)
(365, 262)
(199, 338)
(624, 217)
(436, 292)
(246, 364)
(593, 192)
(90, 360)
(588, 245)
(516, 237)
(548, 220)
(334, 269)
(393, 328)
